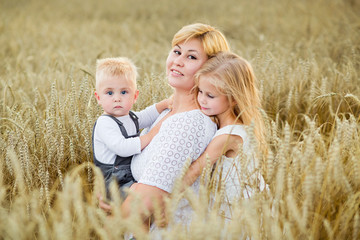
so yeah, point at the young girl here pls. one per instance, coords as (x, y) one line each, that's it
(226, 90)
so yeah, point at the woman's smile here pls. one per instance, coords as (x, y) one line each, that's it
(176, 72)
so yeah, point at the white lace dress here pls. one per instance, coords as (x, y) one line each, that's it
(181, 136)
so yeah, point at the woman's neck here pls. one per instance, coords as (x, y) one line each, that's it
(183, 101)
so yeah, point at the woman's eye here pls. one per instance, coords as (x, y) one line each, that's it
(192, 57)
(200, 91)
(177, 52)
(110, 93)
(210, 96)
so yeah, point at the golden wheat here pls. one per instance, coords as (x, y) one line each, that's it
(306, 57)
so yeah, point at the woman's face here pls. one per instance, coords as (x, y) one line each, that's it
(183, 62)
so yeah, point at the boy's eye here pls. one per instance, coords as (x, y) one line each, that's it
(109, 93)
(123, 92)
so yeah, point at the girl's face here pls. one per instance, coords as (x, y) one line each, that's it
(211, 101)
(182, 63)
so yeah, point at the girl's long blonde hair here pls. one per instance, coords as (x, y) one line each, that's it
(234, 77)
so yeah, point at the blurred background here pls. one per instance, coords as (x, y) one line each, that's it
(305, 54)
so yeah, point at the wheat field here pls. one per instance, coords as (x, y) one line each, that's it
(305, 54)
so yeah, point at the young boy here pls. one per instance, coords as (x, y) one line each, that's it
(116, 132)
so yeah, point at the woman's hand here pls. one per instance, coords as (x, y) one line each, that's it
(103, 205)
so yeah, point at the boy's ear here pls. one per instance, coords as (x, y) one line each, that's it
(136, 95)
(97, 96)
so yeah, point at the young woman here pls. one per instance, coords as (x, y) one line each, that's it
(185, 131)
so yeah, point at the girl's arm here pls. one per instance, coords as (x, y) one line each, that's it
(220, 145)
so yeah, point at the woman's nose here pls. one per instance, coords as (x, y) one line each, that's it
(179, 61)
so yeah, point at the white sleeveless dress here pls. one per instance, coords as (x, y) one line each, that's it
(238, 174)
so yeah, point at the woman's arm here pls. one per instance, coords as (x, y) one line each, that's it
(149, 197)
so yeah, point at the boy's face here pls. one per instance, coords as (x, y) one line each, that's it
(116, 95)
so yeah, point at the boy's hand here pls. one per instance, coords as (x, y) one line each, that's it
(169, 102)
(164, 104)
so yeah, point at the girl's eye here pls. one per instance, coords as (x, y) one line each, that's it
(210, 96)
(110, 93)
(177, 52)
(200, 91)
(123, 92)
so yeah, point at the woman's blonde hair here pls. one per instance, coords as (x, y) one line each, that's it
(234, 77)
(212, 39)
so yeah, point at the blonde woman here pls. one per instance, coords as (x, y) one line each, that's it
(185, 131)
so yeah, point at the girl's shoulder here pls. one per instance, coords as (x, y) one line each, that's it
(234, 134)
(238, 130)
(228, 138)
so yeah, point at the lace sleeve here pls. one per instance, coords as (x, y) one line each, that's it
(181, 136)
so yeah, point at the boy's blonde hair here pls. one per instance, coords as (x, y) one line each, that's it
(234, 77)
(212, 39)
(120, 66)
